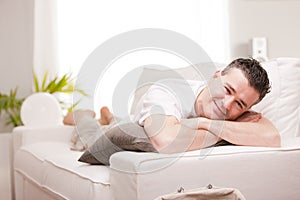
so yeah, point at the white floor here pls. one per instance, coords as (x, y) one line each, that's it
(5, 166)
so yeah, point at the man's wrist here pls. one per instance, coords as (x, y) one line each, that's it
(204, 123)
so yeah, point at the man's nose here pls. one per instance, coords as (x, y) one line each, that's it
(216, 88)
(228, 102)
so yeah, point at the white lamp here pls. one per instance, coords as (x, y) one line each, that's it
(41, 110)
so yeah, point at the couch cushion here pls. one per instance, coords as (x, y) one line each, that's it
(53, 166)
(74, 180)
(282, 104)
(29, 162)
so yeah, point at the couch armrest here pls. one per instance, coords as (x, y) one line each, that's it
(27, 135)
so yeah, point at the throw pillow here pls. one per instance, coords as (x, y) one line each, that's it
(128, 136)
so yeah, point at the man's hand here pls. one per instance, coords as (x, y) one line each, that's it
(249, 116)
(249, 129)
(252, 129)
(205, 123)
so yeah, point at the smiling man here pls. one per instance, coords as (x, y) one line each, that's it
(180, 115)
(183, 115)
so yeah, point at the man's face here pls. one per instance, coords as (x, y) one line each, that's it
(226, 97)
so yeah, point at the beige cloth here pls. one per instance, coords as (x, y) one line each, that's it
(213, 193)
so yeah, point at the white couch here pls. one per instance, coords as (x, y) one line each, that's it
(46, 168)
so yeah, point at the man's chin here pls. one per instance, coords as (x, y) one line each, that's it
(220, 118)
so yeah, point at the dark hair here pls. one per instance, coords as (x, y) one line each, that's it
(253, 71)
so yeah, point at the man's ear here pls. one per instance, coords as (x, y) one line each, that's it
(217, 74)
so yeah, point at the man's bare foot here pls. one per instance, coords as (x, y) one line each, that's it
(106, 116)
(71, 117)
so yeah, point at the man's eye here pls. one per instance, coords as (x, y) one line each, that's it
(227, 90)
(239, 104)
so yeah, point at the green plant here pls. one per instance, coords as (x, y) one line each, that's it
(65, 84)
(11, 105)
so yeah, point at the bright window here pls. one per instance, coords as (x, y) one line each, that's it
(85, 24)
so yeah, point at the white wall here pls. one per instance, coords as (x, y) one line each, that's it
(16, 43)
(6, 166)
(277, 20)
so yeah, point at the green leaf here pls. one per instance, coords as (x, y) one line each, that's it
(51, 86)
(44, 81)
(81, 92)
(11, 105)
(71, 108)
(36, 82)
(61, 84)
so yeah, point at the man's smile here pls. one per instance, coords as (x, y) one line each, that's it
(219, 112)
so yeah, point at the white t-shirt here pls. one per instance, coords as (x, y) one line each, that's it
(173, 97)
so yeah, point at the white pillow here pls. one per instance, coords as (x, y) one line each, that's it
(192, 72)
(282, 104)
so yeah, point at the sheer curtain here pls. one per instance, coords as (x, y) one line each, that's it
(214, 33)
(45, 47)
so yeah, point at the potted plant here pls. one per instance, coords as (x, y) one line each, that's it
(11, 104)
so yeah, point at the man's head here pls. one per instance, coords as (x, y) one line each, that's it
(255, 74)
(233, 91)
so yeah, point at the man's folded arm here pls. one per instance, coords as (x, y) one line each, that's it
(260, 133)
(168, 135)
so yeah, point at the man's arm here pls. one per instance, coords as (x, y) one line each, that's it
(260, 133)
(168, 135)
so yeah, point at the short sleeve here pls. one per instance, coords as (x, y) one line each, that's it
(157, 100)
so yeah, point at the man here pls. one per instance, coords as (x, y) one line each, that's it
(243, 83)
(179, 115)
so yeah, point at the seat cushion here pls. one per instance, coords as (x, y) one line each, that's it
(139, 162)
(54, 167)
(258, 172)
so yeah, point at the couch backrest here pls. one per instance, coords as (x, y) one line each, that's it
(282, 104)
